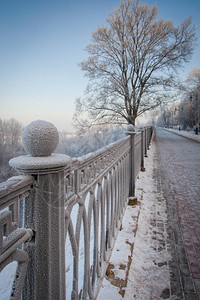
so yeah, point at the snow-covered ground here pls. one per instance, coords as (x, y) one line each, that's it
(138, 267)
(188, 134)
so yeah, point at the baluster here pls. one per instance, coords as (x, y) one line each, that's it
(131, 132)
(45, 213)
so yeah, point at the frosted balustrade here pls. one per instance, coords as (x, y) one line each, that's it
(100, 187)
(61, 219)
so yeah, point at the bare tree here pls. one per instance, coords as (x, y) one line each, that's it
(193, 82)
(193, 79)
(130, 64)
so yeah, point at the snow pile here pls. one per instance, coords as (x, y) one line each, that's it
(138, 268)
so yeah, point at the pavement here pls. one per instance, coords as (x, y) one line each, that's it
(178, 176)
(163, 260)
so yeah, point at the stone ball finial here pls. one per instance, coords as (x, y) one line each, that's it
(40, 138)
(130, 128)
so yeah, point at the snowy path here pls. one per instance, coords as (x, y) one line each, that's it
(139, 267)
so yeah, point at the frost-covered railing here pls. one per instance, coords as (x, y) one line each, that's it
(12, 234)
(63, 214)
(97, 196)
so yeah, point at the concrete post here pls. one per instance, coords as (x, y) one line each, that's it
(131, 131)
(145, 139)
(47, 220)
(148, 136)
(142, 151)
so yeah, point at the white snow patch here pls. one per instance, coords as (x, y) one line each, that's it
(7, 276)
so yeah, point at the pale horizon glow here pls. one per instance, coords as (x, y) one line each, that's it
(42, 43)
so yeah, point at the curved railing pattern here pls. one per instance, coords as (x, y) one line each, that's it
(13, 194)
(101, 181)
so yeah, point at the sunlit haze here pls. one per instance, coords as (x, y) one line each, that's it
(42, 42)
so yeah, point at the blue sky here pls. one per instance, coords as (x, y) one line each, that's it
(41, 44)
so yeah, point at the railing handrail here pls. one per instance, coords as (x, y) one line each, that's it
(102, 150)
(99, 155)
(16, 184)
